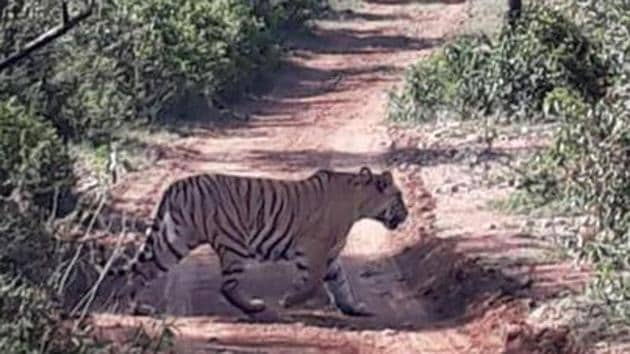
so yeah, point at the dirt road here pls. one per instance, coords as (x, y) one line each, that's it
(326, 109)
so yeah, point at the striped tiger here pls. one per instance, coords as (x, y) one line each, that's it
(305, 221)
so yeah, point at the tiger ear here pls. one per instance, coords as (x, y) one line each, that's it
(365, 175)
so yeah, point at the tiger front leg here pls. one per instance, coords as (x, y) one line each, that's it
(309, 280)
(340, 291)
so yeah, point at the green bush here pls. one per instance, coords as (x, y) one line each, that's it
(288, 14)
(30, 317)
(568, 62)
(33, 160)
(443, 83)
(510, 75)
(132, 59)
(211, 46)
(587, 165)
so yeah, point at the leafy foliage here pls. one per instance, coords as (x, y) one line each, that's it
(33, 160)
(132, 59)
(568, 62)
(588, 163)
(511, 75)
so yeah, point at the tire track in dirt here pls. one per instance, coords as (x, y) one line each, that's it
(324, 110)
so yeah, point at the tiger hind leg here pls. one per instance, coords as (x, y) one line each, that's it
(232, 269)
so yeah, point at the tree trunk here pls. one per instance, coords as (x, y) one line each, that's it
(514, 10)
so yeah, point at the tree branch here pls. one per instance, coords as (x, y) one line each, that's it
(514, 10)
(47, 37)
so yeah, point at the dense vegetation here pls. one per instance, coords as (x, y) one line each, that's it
(125, 65)
(568, 62)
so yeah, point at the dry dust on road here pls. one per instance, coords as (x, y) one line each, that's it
(325, 110)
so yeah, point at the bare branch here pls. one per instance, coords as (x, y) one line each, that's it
(64, 13)
(67, 23)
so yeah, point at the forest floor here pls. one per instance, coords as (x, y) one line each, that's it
(460, 276)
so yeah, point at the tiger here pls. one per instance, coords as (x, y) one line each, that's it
(305, 221)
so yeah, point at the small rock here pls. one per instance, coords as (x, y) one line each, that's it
(524, 130)
(454, 188)
(492, 227)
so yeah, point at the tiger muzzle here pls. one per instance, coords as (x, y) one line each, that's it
(393, 216)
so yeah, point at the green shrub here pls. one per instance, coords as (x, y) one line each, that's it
(445, 83)
(568, 62)
(30, 320)
(287, 14)
(33, 160)
(511, 75)
(208, 45)
(132, 59)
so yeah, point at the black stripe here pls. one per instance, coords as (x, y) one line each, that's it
(177, 216)
(282, 237)
(179, 189)
(274, 223)
(274, 201)
(193, 188)
(308, 188)
(301, 266)
(319, 182)
(213, 241)
(286, 248)
(232, 271)
(172, 248)
(230, 224)
(260, 221)
(205, 200)
(231, 283)
(248, 189)
(292, 196)
(226, 233)
(247, 201)
(236, 252)
(235, 205)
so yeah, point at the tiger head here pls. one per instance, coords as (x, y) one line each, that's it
(379, 198)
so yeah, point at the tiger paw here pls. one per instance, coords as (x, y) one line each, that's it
(257, 305)
(356, 310)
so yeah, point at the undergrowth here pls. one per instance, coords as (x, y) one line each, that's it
(565, 61)
(120, 68)
(511, 75)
